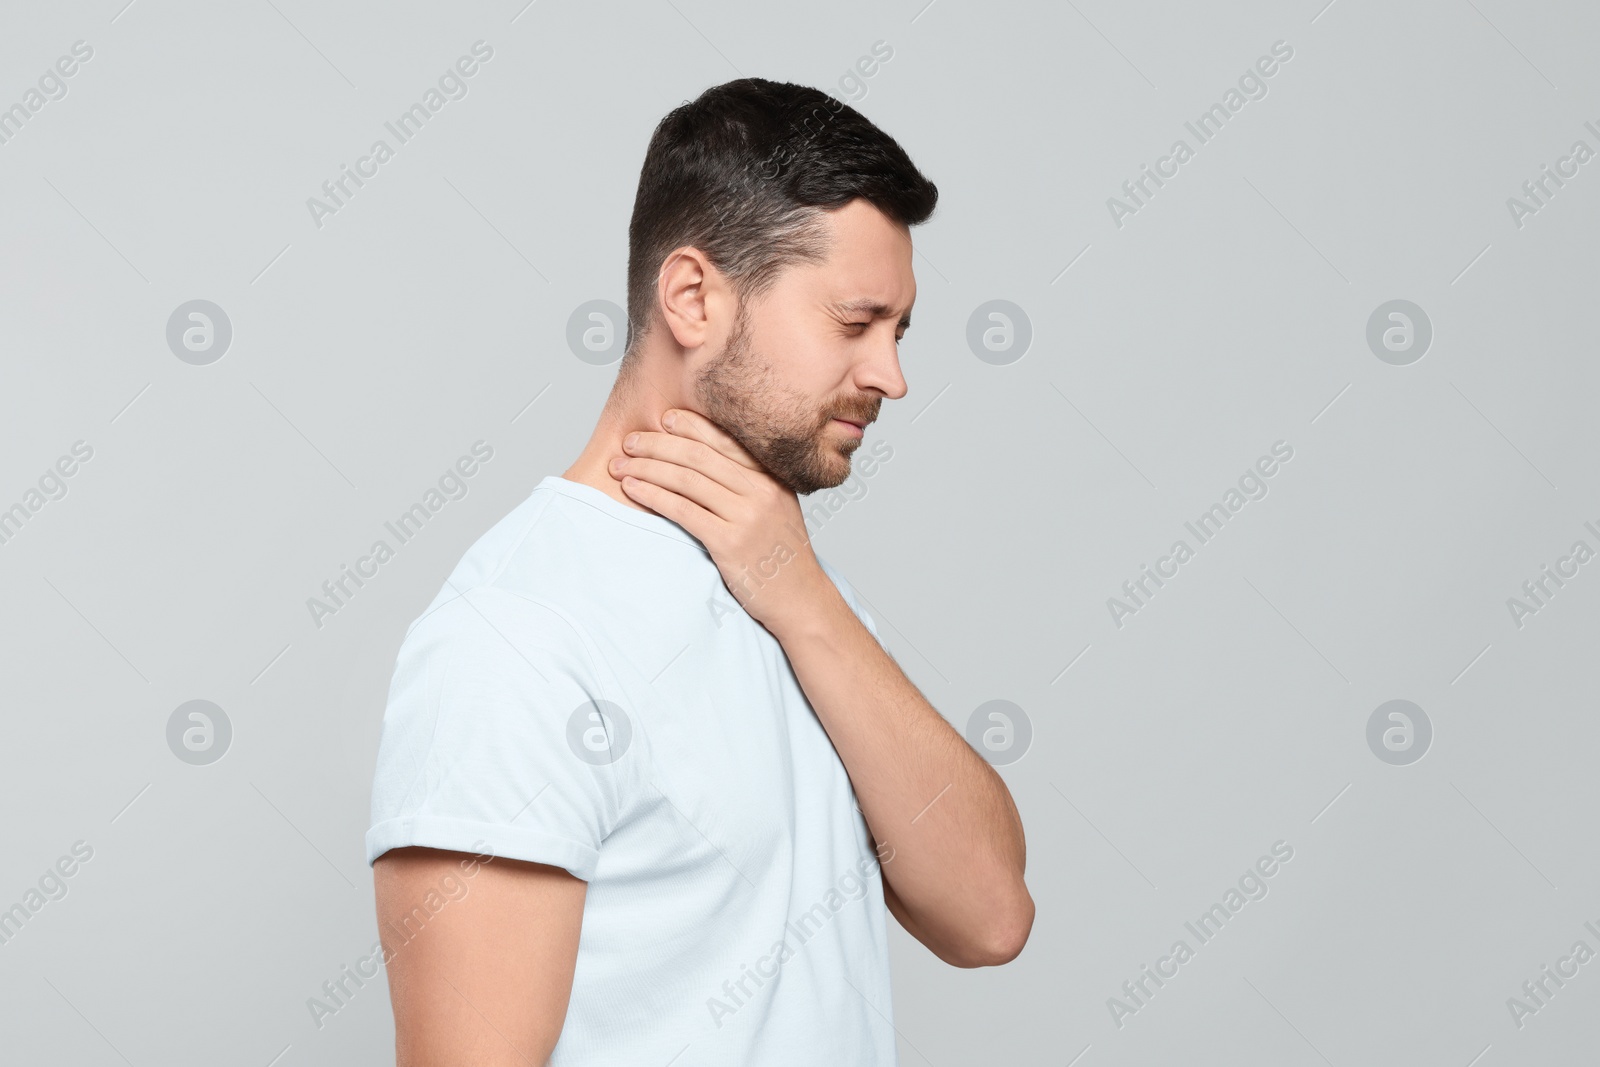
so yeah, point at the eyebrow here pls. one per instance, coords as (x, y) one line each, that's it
(871, 307)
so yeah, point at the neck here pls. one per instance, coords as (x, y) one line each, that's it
(637, 404)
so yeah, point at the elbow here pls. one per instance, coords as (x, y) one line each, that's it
(1002, 939)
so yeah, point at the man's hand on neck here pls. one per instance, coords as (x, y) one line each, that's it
(693, 473)
(635, 408)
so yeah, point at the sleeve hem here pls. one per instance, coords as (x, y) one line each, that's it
(482, 838)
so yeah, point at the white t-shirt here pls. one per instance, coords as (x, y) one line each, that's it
(734, 914)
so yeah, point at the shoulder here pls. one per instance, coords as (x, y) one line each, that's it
(491, 627)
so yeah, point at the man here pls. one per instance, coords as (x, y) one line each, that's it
(644, 740)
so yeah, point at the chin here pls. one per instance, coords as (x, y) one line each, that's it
(840, 472)
(827, 467)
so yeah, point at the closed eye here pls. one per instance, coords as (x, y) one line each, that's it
(897, 339)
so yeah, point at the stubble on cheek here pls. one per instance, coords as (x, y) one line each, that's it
(785, 432)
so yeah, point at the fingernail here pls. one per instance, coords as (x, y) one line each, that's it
(617, 463)
(669, 418)
(631, 440)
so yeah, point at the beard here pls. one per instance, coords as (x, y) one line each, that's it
(782, 429)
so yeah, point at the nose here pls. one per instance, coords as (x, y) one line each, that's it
(880, 370)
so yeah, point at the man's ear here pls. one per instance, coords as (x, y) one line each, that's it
(693, 296)
(680, 290)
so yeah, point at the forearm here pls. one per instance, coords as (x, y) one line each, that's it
(957, 865)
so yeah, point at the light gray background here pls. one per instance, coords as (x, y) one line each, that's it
(1167, 355)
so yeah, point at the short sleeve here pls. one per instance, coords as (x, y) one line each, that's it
(489, 737)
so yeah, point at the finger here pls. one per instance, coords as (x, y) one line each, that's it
(664, 502)
(687, 452)
(693, 425)
(687, 482)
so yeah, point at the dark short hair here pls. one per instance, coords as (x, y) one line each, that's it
(744, 173)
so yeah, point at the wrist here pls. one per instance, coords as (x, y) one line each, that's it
(813, 609)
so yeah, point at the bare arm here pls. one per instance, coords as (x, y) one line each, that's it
(483, 979)
(955, 880)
